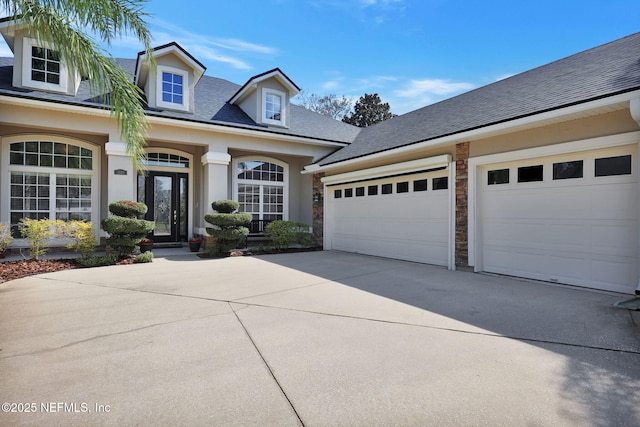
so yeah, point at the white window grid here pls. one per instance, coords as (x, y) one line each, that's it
(45, 65)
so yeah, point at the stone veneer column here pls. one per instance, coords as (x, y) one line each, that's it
(462, 205)
(318, 207)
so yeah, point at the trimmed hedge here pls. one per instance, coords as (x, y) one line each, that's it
(286, 233)
(121, 225)
(128, 208)
(229, 220)
(228, 228)
(124, 228)
(234, 234)
(225, 206)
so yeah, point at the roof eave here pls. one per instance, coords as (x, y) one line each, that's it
(479, 132)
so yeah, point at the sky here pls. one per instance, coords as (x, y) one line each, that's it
(411, 52)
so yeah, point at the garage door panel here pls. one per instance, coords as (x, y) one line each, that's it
(579, 231)
(413, 225)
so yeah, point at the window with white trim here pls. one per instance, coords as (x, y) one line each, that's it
(42, 67)
(172, 88)
(273, 107)
(48, 179)
(261, 189)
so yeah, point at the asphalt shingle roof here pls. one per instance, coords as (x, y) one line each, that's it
(211, 107)
(599, 72)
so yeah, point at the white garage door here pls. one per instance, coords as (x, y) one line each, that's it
(405, 217)
(569, 219)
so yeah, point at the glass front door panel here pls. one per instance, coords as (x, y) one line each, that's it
(162, 206)
(182, 231)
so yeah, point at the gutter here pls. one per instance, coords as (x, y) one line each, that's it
(103, 111)
(484, 132)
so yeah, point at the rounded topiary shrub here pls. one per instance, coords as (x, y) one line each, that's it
(128, 208)
(229, 220)
(124, 228)
(228, 228)
(225, 206)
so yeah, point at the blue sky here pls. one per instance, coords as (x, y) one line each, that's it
(411, 52)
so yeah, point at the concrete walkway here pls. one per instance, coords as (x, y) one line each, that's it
(315, 339)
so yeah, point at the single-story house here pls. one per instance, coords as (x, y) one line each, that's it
(532, 176)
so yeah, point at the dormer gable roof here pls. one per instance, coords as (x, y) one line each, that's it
(252, 85)
(142, 64)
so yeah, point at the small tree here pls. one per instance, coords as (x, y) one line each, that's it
(328, 105)
(369, 110)
(125, 227)
(228, 228)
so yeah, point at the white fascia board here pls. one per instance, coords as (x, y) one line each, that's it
(104, 112)
(485, 132)
(390, 170)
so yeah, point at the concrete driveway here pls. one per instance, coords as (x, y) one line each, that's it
(315, 339)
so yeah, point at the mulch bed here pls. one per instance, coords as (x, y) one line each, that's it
(11, 270)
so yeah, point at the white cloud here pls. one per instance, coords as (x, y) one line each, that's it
(504, 76)
(331, 85)
(212, 55)
(240, 45)
(225, 50)
(427, 87)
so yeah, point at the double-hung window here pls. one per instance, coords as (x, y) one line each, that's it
(273, 107)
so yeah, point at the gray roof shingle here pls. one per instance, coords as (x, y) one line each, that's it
(600, 72)
(211, 107)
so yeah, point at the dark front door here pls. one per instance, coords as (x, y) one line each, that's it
(165, 194)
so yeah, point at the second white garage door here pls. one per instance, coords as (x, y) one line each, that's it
(568, 219)
(404, 217)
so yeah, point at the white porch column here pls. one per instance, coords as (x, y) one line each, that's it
(121, 176)
(215, 165)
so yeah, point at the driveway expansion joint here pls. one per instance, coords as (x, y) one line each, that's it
(266, 364)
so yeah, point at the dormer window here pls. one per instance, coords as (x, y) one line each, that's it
(42, 68)
(265, 98)
(273, 108)
(172, 88)
(45, 65)
(273, 102)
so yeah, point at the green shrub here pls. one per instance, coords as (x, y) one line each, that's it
(229, 220)
(5, 236)
(145, 257)
(231, 234)
(120, 225)
(127, 208)
(82, 235)
(97, 261)
(124, 229)
(225, 206)
(38, 231)
(228, 228)
(283, 234)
